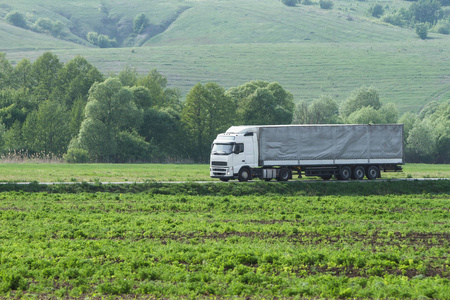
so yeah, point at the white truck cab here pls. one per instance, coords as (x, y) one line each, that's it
(233, 150)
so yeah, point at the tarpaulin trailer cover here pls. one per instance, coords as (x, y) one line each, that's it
(326, 142)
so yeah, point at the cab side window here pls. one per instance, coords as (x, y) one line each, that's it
(239, 148)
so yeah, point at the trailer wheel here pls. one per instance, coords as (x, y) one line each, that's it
(345, 173)
(358, 173)
(244, 174)
(283, 175)
(326, 177)
(372, 172)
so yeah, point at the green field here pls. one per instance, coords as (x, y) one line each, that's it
(59, 172)
(309, 51)
(225, 241)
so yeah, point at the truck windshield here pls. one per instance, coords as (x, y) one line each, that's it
(222, 149)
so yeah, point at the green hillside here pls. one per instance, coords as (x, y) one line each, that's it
(308, 50)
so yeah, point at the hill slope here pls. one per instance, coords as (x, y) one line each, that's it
(237, 21)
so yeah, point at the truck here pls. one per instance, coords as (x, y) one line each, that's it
(281, 151)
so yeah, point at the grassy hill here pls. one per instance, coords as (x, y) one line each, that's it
(310, 51)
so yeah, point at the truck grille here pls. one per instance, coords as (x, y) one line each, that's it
(218, 163)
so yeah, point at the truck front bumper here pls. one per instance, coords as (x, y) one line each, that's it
(221, 172)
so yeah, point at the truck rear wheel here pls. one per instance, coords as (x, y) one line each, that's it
(345, 173)
(372, 172)
(358, 173)
(244, 174)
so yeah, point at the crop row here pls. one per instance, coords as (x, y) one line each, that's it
(148, 244)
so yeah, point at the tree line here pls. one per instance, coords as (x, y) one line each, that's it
(71, 110)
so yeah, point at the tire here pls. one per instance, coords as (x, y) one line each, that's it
(283, 175)
(326, 177)
(372, 172)
(345, 173)
(244, 174)
(358, 173)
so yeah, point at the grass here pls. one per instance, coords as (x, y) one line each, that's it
(169, 242)
(41, 172)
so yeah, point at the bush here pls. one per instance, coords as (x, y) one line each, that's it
(17, 19)
(289, 2)
(422, 31)
(101, 40)
(376, 10)
(442, 27)
(47, 25)
(326, 4)
(395, 19)
(139, 23)
(76, 155)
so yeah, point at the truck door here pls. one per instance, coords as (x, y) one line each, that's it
(249, 151)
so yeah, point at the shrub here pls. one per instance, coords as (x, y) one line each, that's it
(442, 27)
(101, 40)
(395, 19)
(326, 4)
(376, 10)
(17, 19)
(77, 155)
(289, 2)
(47, 25)
(422, 31)
(139, 23)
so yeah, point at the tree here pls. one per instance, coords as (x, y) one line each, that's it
(13, 137)
(426, 11)
(321, 111)
(140, 22)
(301, 115)
(162, 129)
(128, 76)
(46, 130)
(75, 79)
(76, 116)
(207, 112)
(16, 18)
(22, 75)
(390, 113)
(161, 95)
(142, 97)
(6, 71)
(362, 97)
(14, 106)
(366, 115)
(110, 110)
(408, 120)
(421, 143)
(259, 102)
(45, 74)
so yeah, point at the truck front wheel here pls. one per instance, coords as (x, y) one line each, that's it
(244, 174)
